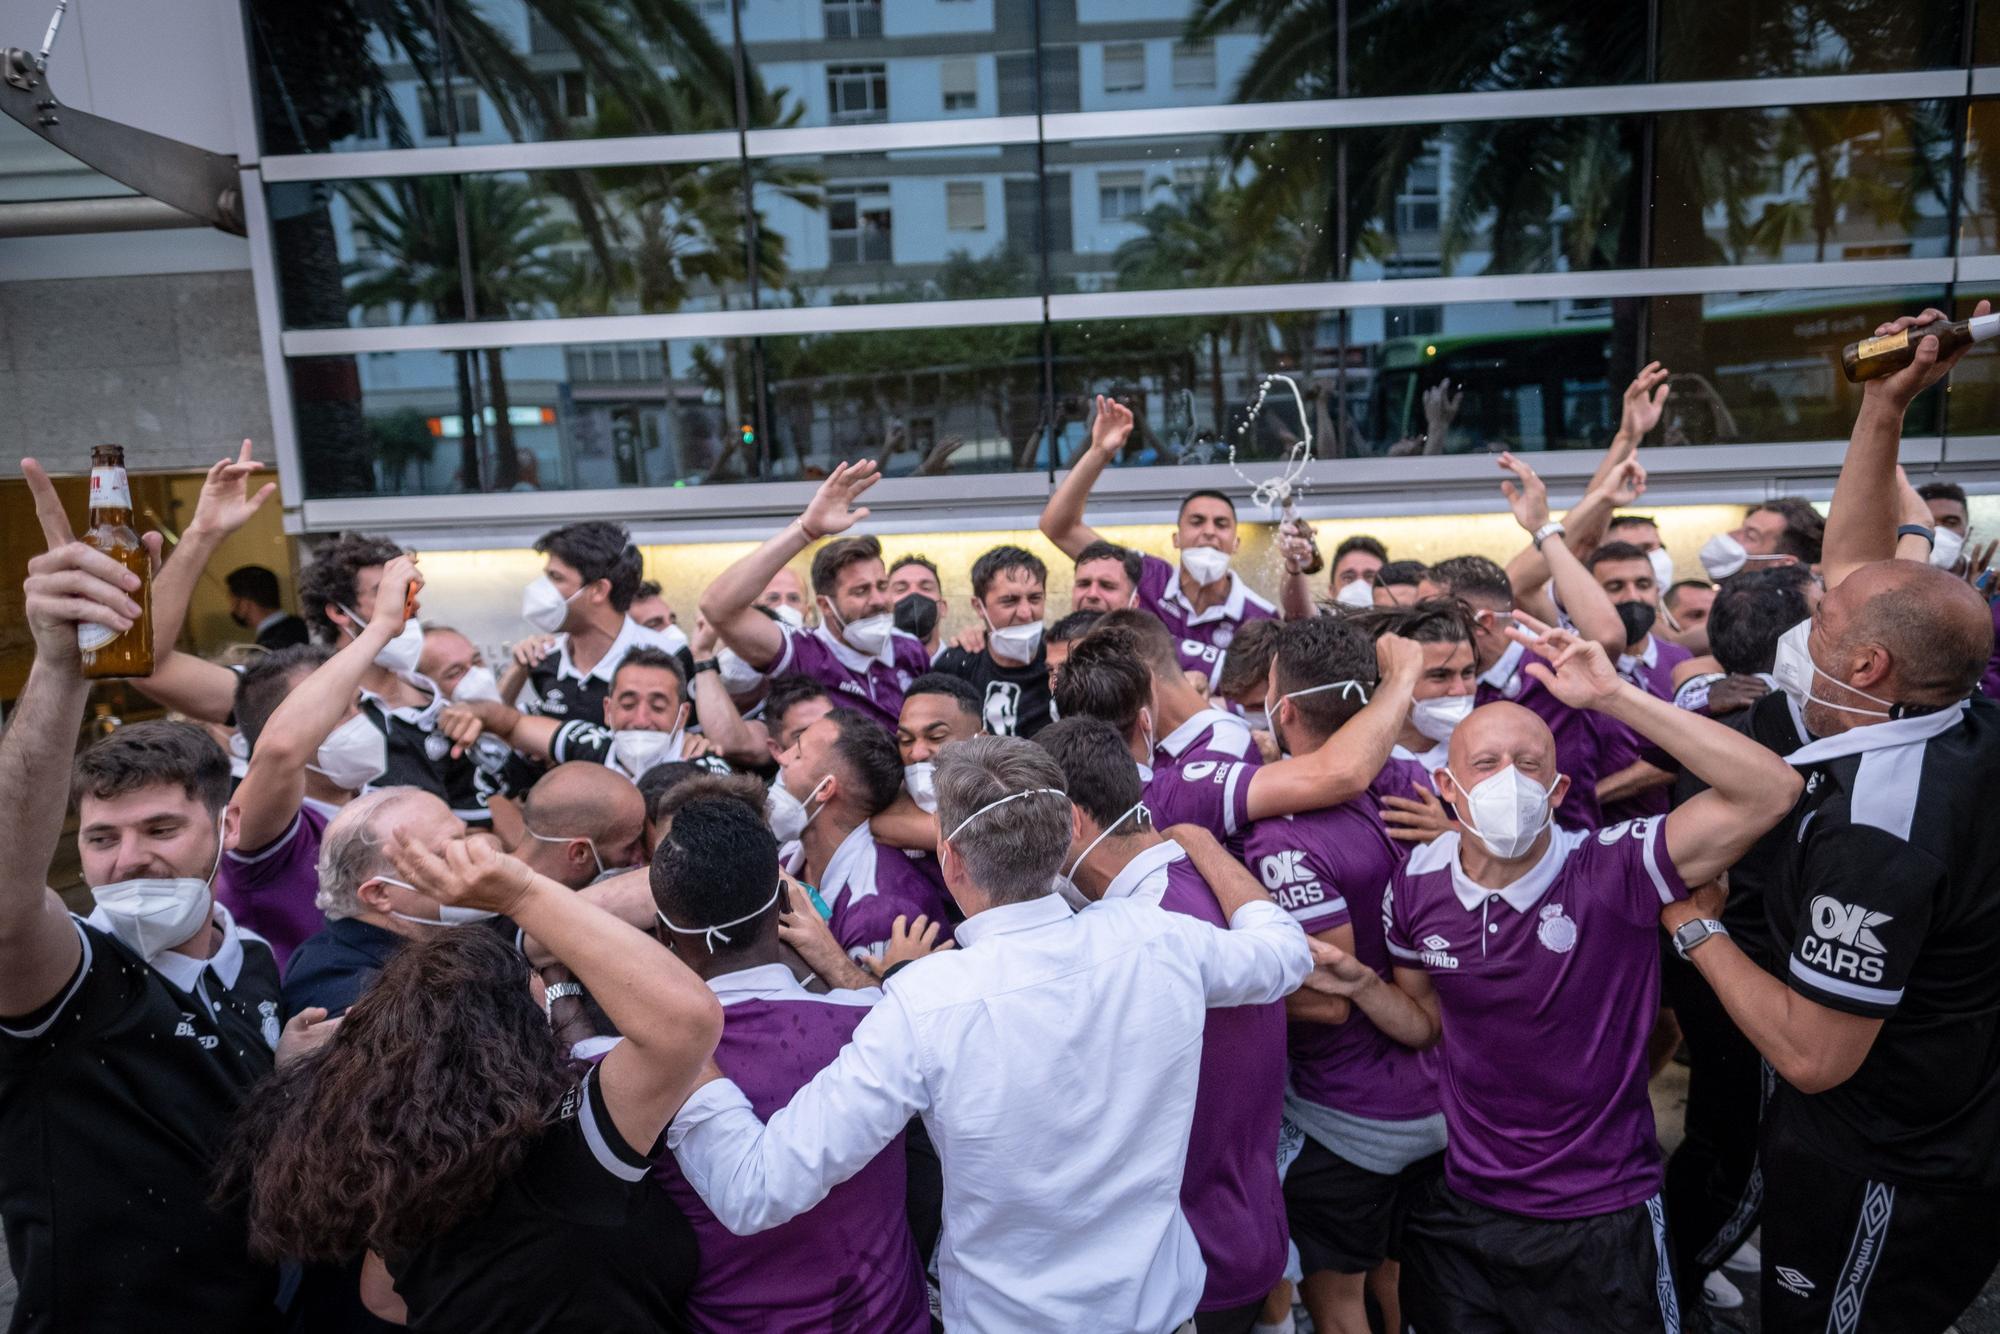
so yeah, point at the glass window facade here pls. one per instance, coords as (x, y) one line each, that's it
(779, 234)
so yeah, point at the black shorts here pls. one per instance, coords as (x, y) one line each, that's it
(1468, 1269)
(1846, 1253)
(1345, 1218)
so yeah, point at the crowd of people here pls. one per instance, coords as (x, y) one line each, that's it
(1148, 965)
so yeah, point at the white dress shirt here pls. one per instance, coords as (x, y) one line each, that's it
(1053, 1057)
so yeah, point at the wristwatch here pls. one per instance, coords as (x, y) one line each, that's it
(1691, 934)
(1548, 530)
(706, 665)
(556, 991)
(1918, 530)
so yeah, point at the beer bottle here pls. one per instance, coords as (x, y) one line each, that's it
(1872, 358)
(105, 651)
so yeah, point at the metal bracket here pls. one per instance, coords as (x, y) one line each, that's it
(202, 184)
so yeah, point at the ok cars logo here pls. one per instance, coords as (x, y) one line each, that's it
(1834, 920)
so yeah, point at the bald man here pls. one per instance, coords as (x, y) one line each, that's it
(578, 821)
(1538, 946)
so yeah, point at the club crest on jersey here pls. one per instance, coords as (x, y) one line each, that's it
(268, 1012)
(1556, 932)
(1222, 636)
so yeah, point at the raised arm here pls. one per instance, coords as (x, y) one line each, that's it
(1302, 561)
(721, 721)
(530, 733)
(904, 824)
(1588, 606)
(1343, 768)
(1645, 401)
(1861, 523)
(1062, 519)
(670, 1019)
(69, 585)
(729, 602)
(225, 505)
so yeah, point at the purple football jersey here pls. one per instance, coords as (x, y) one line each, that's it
(1330, 868)
(1578, 733)
(1200, 638)
(1548, 990)
(867, 885)
(272, 890)
(1230, 1191)
(849, 1262)
(1652, 670)
(1208, 793)
(873, 686)
(1211, 734)
(1404, 770)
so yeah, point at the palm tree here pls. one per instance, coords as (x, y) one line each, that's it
(409, 228)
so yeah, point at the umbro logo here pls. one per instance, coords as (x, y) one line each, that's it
(1792, 1281)
(1434, 955)
(1436, 942)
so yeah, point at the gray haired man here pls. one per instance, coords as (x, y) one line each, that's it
(1053, 1057)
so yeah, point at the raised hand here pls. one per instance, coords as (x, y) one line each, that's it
(1645, 400)
(529, 652)
(831, 510)
(907, 940)
(704, 641)
(1399, 658)
(400, 582)
(1577, 670)
(1529, 499)
(1897, 390)
(462, 872)
(72, 583)
(461, 726)
(1978, 560)
(1336, 972)
(226, 502)
(1299, 547)
(1111, 427)
(1626, 483)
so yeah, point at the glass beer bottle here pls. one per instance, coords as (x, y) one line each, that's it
(106, 652)
(1886, 354)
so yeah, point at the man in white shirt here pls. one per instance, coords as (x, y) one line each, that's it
(1053, 1057)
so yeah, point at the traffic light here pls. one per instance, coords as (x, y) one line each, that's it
(749, 436)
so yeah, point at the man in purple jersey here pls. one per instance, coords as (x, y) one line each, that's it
(937, 710)
(1367, 1104)
(844, 771)
(1187, 727)
(1229, 1188)
(1538, 947)
(1404, 793)
(856, 652)
(1105, 678)
(1203, 602)
(1635, 783)
(848, 1262)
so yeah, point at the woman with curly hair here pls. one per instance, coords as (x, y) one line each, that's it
(443, 1132)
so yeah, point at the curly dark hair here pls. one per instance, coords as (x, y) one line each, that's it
(430, 1093)
(330, 579)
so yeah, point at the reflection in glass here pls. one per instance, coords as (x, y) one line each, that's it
(1767, 39)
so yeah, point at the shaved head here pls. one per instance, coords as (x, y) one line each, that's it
(1936, 632)
(1494, 736)
(585, 800)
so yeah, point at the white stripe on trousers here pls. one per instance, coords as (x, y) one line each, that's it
(1663, 1279)
(1871, 1232)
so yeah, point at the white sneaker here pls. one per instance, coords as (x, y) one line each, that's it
(1720, 1293)
(1747, 1260)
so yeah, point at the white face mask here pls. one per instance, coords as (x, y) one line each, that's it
(544, 607)
(1257, 720)
(738, 676)
(790, 615)
(920, 781)
(1507, 812)
(786, 814)
(449, 914)
(866, 635)
(1437, 718)
(353, 755)
(1722, 556)
(1204, 565)
(1945, 547)
(477, 683)
(633, 752)
(1016, 643)
(1662, 562)
(400, 654)
(1066, 878)
(152, 914)
(1356, 593)
(1793, 669)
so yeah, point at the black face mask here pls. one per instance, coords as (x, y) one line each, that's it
(916, 615)
(1638, 619)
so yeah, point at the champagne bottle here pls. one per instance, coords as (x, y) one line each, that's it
(1872, 358)
(105, 651)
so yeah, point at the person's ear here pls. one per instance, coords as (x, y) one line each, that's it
(373, 895)
(1559, 791)
(1870, 666)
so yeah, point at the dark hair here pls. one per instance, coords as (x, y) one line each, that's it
(715, 865)
(870, 756)
(433, 1090)
(837, 555)
(1073, 627)
(1683, 586)
(141, 755)
(999, 560)
(1316, 652)
(1611, 551)
(1204, 494)
(1097, 768)
(330, 578)
(265, 681)
(938, 683)
(1752, 611)
(1361, 542)
(1630, 521)
(646, 655)
(1104, 678)
(1134, 563)
(648, 588)
(746, 790)
(658, 781)
(915, 558)
(255, 584)
(788, 691)
(1473, 579)
(1247, 663)
(1402, 574)
(1149, 636)
(1432, 621)
(1805, 528)
(1942, 491)
(597, 549)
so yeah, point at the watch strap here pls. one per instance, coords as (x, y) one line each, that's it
(556, 991)
(1918, 530)
(1548, 530)
(706, 665)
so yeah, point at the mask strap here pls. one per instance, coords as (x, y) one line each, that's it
(575, 838)
(1348, 689)
(711, 934)
(1103, 834)
(1033, 791)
